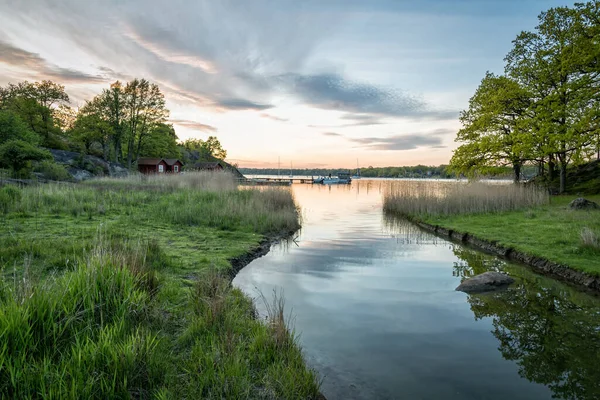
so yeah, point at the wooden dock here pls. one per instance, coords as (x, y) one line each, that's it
(278, 181)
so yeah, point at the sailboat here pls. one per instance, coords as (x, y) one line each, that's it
(357, 176)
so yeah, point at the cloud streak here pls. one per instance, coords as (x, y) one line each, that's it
(193, 125)
(411, 141)
(17, 57)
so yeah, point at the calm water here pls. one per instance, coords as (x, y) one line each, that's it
(374, 303)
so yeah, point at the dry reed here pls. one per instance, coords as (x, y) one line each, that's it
(411, 198)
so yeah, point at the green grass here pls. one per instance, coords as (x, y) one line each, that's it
(550, 231)
(119, 289)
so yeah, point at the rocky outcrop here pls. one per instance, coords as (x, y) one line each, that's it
(485, 282)
(83, 167)
(583, 204)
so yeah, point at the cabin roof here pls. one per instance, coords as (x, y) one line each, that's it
(149, 161)
(172, 161)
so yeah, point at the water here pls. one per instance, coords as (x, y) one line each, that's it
(374, 303)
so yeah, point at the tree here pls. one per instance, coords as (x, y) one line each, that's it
(18, 154)
(13, 128)
(495, 132)
(161, 142)
(206, 149)
(556, 64)
(144, 110)
(34, 103)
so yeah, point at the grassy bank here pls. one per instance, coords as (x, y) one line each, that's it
(120, 289)
(522, 218)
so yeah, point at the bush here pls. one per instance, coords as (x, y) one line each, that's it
(53, 171)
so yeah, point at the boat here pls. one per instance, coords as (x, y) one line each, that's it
(343, 178)
(357, 175)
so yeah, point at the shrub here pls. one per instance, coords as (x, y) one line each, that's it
(53, 171)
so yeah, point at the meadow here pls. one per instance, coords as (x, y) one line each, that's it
(121, 289)
(522, 217)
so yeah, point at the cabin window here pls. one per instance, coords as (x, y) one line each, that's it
(161, 168)
(176, 168)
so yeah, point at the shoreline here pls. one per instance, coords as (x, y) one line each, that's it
(263, 248)
(541, 265)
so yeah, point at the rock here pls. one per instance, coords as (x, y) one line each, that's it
(83, 167)
(583, 204)
(485, 282)
(80, 174)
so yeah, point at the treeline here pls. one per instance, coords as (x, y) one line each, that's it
(121, 124)
(544, 109)
(418, 171)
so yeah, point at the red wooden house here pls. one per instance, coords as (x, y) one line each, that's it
(173, 165)
(152, 165)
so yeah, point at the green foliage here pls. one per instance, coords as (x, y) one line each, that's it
(18, 154)
(545, 109)
(13, 128)
(206, 149)
(494, 133)
(34, 103)
(53, 171)
(161, 142)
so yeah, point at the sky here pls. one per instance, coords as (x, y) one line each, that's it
(307, 83)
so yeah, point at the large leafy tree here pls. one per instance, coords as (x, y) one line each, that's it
(144, 111)
(161, 141)
(35, 103)
(495, 131)
(556, 63)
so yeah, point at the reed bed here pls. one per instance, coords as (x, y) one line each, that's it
(417, 198)
(207, 199)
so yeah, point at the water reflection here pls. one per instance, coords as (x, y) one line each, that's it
(374, 302)
(550, 330)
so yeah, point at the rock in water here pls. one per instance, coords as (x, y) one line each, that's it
(583, 204)
(485, 282)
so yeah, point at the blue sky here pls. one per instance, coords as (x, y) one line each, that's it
(316, 83)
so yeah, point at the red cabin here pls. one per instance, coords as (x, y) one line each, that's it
(173, 165)
(152, 165)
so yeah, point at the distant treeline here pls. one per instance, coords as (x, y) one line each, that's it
(416, 171)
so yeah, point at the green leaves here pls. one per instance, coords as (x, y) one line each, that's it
(546, 107)
(17, 154)
(492, 132)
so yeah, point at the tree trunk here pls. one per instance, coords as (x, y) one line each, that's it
(562, 157)
(551, 169)
(517, 171)
(563, 177)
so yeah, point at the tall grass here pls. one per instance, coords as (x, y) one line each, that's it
(80, 335)
(116, 317)
(413, 198)
(208, 199)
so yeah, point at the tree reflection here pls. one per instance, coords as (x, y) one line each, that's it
(551, 331)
